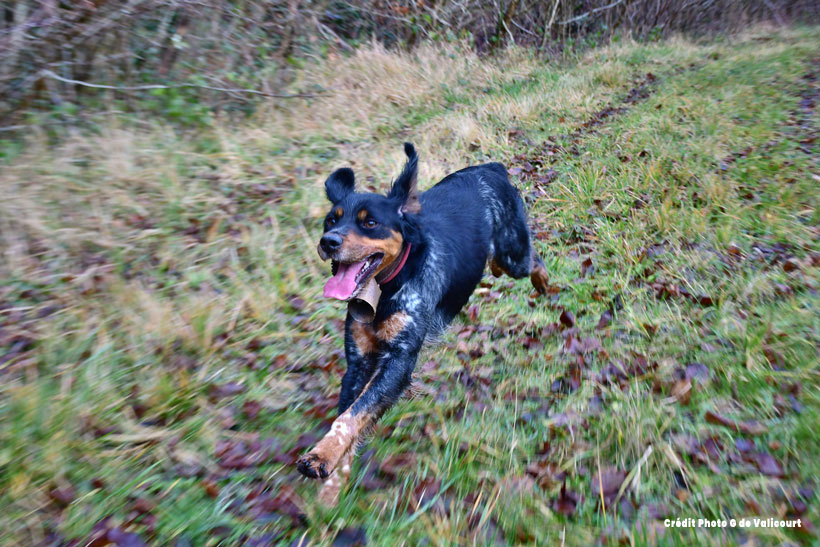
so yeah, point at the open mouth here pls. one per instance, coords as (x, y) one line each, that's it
(349, 278)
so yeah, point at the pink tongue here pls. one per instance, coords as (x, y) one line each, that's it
(343, 284)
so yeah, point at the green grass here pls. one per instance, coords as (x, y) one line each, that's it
(161, 296)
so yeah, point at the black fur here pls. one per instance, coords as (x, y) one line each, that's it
(469, 217)
(404, 189)
(339, 184)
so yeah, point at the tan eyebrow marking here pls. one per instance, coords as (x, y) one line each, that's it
(362, 214)
(338, 212)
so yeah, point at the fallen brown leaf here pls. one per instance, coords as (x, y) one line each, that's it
(567, 319)
(606, 319)
(567, 502)
(767, 464)
(608, 481)
(749, 427)
(682, 391)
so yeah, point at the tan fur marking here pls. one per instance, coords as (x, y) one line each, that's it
(362, 214)
(338, 212)
(364, 337)
(329, 493)
(343, 435)
(538, 273)
(392, 250)
(539, 277)
(496, 268)
(392, 326)
(357, 247)
(370, 381)
(331, 488)
(412, 205)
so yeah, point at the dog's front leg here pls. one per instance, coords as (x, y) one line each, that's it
(361, 347)
(361, 354)
(400, 344)
(332, 487)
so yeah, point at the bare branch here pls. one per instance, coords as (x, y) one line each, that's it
(50, 74)
(775, 12)
(327, 32)
(591, 12)
(548, 27)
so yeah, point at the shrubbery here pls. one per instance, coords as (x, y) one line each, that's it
(48, 48)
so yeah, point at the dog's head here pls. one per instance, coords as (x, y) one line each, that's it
(365, 234)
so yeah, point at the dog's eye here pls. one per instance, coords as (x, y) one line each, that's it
(331, 221)
(369, 223)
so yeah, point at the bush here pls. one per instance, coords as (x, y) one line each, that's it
(50, 51)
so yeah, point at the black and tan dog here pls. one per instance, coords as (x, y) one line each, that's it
(427, 251)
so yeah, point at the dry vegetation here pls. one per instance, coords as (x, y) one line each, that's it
(165, 353)
(184, 57)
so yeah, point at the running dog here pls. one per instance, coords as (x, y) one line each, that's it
(427, 252)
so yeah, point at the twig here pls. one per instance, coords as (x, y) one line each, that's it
(522, 29)
(76, 121)
(328, 33)
(126, 11)
(503, 22)
(509, 33)
(776, 13)
(590, 12)
(50, 74)
(633, 476)
(548, 28)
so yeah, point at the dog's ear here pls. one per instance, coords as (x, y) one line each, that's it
(405, 188)
(339, 184)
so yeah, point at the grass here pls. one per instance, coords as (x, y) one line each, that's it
(166, 352)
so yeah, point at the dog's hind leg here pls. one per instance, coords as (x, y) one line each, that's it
(512, 249)
(514, 253)
(535, 269)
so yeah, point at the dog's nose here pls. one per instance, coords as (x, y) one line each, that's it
(330, 243)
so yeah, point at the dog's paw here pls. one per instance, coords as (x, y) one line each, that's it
(313, 466)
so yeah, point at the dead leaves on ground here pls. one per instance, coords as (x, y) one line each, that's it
(567, 502)
(605, 484)
(713, 451)
(748, 427)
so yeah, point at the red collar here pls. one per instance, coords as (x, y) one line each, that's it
(401, 265)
